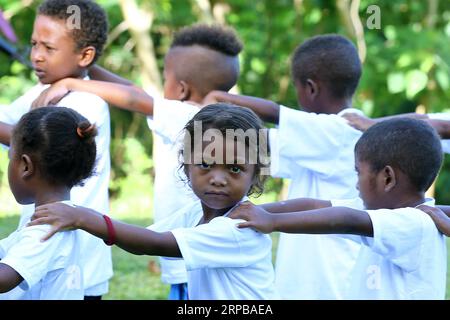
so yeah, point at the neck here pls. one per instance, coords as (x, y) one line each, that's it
(50, 195)
(338, 105)
(210, 213)
(411, 200)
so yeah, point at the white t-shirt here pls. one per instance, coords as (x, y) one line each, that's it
(223, 262)
(96, 256)
(316, 152)
(50, 270)
(442, 116)
(171, 193)
(405, 259)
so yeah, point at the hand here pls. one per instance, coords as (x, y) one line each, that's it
(210, 98)
(440, 219)
(358, 121)
(257, 218)
(59, 215)
(52, 95)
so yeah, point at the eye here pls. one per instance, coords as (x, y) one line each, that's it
(235, 169)
(33, 43)
(204, 166)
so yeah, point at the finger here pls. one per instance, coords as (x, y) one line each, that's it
(245, 224)
(40, 221)
(50, 234)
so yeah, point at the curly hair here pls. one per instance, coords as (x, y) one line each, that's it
(215, 37)
(93, 30)
(60, 141)
(225, 117)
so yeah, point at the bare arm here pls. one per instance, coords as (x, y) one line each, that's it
(101, 74)
(301, 204)
(333, 220)
(9, 278)
(134, 239)
(126, 97)
(441, 126)
(363, 123)
(440, 216)
(5, 133)
(267, 110)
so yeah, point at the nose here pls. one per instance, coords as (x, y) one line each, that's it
(218, 178)
(36, 54)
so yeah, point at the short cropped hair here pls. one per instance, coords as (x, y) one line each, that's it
(409, 145)
(330, 58)
(93, 29)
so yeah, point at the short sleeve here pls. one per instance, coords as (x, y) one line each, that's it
(220, 244)
(311, 141)
(12, 113)
(169, 117)
(398, 235)
(30, 257)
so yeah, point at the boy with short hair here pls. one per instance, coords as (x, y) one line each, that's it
(59, 51)
(201, 58)
(403, 255)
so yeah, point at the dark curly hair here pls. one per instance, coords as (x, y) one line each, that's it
(330, 58)
(94, 23)
(409, 145)
(215, 37)
(60, 141)
(241, 121)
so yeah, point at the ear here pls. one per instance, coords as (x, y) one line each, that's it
(185, 91)
(312, 88)
(87, 55)
(27, 167)
(389, 178)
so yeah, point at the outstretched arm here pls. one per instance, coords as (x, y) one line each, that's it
(5, 133)
(101, 74)
(300, 204)
(440, 216)
(441, 126)
(9, 278)
(333, 220)
(363, 123)
(134, 239)
(267, 110)
(126, 97)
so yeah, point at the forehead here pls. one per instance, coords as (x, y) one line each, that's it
(224, 151)
(51, 29)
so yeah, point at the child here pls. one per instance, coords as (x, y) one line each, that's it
(52, 150)
(223, 262)
(59, 51)
(403, 255)
(213, 50)
(314, 148)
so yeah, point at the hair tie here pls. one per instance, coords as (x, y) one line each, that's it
(81, 132)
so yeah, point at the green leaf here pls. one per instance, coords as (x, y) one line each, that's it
(416, 81)
(396, 82)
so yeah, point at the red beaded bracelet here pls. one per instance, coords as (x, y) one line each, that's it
(111, 231)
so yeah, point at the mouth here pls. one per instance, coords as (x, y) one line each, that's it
(216, 193)
(39, 73)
